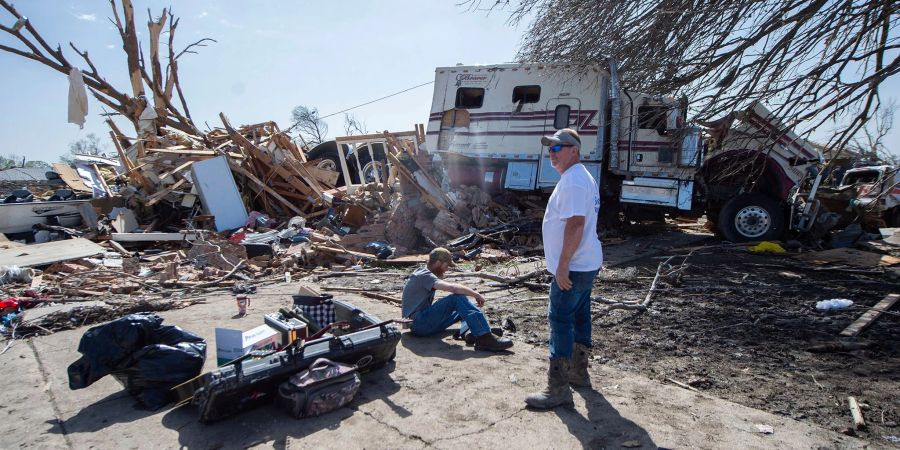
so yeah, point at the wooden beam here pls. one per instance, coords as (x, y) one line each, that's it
(869, 316)
(155, 198)
(858, 421)
(264, 158)
(373, 137)
(175, 151)
(263, 186)
(102, 181)
(178, 169)
(70, 177)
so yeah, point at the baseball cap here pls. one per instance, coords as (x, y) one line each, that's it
(441, 254)
(566, 136)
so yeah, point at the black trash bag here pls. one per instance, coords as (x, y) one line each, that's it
(147, 358)
(381, 249)
(107, 348)
(177, 357)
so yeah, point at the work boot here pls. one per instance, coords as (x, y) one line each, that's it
(578, 373)
(491, 343)
(557, 391)
(470, 338)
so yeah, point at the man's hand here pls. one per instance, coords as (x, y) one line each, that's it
(479, 299)
(562, 277)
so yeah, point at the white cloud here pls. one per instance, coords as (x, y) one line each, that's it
(202, 15)
(110, 46)
(86, 17)
(229, 24)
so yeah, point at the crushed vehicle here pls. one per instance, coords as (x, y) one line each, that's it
(869, 193)
(743, 171)
(361, 158)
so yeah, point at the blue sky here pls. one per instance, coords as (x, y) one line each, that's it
(270, 57)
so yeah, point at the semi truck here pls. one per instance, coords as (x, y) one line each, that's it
(749, 174)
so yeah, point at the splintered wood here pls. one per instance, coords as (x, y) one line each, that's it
(271, 171)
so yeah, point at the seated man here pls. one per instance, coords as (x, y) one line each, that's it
(430, 317)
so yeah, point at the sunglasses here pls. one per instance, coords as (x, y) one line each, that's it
(556, 148)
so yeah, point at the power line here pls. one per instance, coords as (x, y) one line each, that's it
(376, 100)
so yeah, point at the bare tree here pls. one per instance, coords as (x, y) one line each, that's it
(90, 144)
(311, 128)
(352, 125)
(12, 161)
(870, 141)
(145, 70)
(814, 62)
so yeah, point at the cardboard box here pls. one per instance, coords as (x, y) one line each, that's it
(232, 344)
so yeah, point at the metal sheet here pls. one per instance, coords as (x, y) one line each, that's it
(520, 175)
(50, 252)
(218, 193)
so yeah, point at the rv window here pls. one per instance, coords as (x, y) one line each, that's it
(469, 98)
(526, 94)
(561, 118)
(652, 117)
(665, 156)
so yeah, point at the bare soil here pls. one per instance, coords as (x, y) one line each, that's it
(740, 326)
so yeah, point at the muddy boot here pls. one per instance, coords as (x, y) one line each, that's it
(491, 343)
(557, 391)
(578, 373)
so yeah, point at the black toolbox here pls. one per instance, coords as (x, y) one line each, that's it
(245, 384)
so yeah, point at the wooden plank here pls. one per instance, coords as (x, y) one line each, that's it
(172, 151)
(261, 156)
(869, 316)
(155, 198)
(858, 422)
(102, 181)
(376, 137)
(70, 177)
(404, 172)
(155, 236)
(291, 179)
(178, 169)
(50, 252)
(850, 257)
(326, 177)
(266, 188)
(118, 247)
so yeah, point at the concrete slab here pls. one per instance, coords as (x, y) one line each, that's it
(438, 393)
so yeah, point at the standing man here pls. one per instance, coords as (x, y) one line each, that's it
(430, 317)
(574, 256)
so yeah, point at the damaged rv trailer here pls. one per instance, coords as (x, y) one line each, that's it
(743, 171)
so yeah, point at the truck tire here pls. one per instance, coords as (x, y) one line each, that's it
(370, 166)
(327, 155)
(751, 217)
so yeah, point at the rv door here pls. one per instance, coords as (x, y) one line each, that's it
(562, 112)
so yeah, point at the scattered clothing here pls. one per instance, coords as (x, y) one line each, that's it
(78, 100)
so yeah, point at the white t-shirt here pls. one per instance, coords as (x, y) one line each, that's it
(576, 194)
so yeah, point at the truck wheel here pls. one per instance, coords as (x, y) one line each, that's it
(751, 217)
(370, 167)
(327, 155)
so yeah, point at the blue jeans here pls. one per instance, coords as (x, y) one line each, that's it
(569, 314)
(447, 311)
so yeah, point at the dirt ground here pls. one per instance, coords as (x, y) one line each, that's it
(740, 326)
